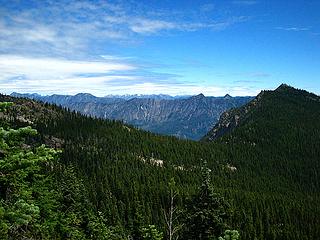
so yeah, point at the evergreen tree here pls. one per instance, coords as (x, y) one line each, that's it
(230, 235)
(138, 222)
(274, 186)
(151, 233)
(206, 212)
(39, 197)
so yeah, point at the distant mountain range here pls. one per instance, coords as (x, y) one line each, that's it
(84, 97)
(182, 116)
(153, 96)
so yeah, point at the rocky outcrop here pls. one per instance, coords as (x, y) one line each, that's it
(232, 118)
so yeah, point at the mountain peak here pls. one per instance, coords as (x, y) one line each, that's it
(227, 96)
(283, 87)
(199, 96)
(84, 95)
(26, 95)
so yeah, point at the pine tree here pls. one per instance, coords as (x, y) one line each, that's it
(206, 211)
(230, 235)
(151, 233)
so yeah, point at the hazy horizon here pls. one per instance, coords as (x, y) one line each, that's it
(123, 95)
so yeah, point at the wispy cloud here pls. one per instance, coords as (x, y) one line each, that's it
(207, 7)
(245, 81)
(116, 58)
(52, 75)
(56, 28)
(41, 68)
(259, 75)
(62, 46)
(46, 74)
(245, 2)
(60, 27)
(185, 89)
(151, 26)
(294, 29)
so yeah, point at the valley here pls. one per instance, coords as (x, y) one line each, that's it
(264, 162)
(184, 117)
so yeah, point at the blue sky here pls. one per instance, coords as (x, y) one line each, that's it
(149, 47)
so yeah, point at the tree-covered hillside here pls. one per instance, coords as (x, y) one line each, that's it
(266, 168)
(282, 127)
(40, 196)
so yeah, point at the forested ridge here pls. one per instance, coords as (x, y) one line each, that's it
(267, 168)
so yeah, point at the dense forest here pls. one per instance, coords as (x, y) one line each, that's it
(107, 180)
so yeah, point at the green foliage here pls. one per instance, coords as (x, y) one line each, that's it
(99, 229)
(151, 233)
(39, 197)
(22, 169)
(206, 212)
(22, 213)
(274, 189)
(5, 105)
(230, 235)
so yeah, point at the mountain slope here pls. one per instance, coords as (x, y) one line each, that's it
(187, 118)
(296, 108)
(282, 129)
(267, 167)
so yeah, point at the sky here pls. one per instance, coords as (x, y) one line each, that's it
(175, 47)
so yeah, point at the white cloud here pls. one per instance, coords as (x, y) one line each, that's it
(245, 2)
(49, 76)
(171, 89)
(42, 68)
(55, 30)
(116, 58)
(207, 7)
(185, 89)
(151, 26)
(144, 26)
(60, 28)
(293, 29)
